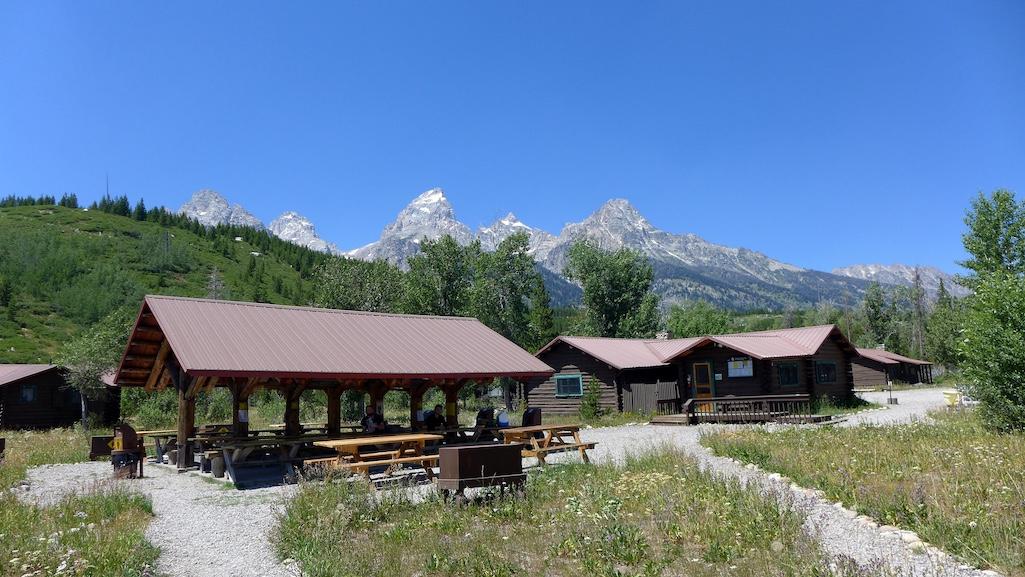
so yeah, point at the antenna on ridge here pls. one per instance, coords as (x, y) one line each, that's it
(107, 176)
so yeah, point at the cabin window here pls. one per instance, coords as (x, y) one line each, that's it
(789, 376)
(569, 386)
(740, 367)
(825, 372)
(28, 393)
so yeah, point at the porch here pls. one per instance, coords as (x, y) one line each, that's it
(792, 409)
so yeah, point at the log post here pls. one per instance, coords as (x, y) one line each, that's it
(334, 410)
(292, 393)
(186, 418)
(377, 392)
(452, 405)
(416, 405)
(239, 409)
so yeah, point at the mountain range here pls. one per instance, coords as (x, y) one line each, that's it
(686, 266)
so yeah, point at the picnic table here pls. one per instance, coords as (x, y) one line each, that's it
(360, 454)
(540, 440)
(162, 440)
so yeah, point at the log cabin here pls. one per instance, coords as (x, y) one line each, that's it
(39, 397)
(879, 368)
(639, 375)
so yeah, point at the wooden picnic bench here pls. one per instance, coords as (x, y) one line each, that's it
(360, 454)
(540, 440)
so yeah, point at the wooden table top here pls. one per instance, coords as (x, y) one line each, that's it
(378, 440)
(156, 433)
(539, 429)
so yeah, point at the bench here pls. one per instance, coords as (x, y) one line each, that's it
(540, 452)
(365, 466)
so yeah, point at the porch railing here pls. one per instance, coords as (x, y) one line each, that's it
(740, 409)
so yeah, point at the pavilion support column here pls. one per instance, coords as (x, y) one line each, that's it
(239, 409)
(334, 410)
(452, 405)
(186, 419)
(416, 406)
(292, 394)
(377, 391)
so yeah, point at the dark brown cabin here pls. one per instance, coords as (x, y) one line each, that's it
(878, 368)
(38, 397)
(639, 374)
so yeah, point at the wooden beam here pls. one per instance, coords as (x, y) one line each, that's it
(158, 366)
(195, 385)
(149, 335)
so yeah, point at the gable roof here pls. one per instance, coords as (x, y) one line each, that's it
(889, 358)
(13, 373)
(617, 353)
(241, 339)
(645, 353)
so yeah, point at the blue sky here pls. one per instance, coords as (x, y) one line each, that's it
(821, 134)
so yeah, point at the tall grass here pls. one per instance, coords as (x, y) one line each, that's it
(657, 515)
(952, 481)
(97, 531)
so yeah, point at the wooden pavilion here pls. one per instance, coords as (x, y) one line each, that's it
(193, 345)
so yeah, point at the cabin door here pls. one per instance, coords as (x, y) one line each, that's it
(702, 381)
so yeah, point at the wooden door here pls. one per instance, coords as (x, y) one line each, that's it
(703, 386)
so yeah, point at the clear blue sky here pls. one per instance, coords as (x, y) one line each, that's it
(820, 134)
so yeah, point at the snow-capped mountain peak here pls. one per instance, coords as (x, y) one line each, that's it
(298, 229)
(211, 209)
(429, 215)
(491, 236)
(904, 275)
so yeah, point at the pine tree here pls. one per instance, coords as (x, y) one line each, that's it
(140, 210)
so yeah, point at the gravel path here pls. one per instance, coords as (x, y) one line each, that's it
(842, 533)
(201, 527)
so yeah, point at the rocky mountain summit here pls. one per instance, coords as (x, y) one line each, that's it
(298, 229)
(686, 265)
(904, 275)
(429, 216)
(210, 208)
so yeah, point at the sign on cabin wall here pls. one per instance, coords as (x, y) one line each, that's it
(740, 367)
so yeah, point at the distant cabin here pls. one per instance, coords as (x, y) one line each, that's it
(38, 397)
(637, 375)
(877, 368)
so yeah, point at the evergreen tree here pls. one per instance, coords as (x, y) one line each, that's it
(140, 210)
(918, 317)
(877, 313)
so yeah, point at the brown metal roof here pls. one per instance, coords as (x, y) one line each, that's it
(238, 339)
(642, 353)
(617, 353)
(888, 358)
(14, 373)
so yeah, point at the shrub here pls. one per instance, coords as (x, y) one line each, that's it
(590, 403)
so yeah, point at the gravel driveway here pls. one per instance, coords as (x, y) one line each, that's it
(201, 527)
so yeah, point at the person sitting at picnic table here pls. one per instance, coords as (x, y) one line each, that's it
(373, 422)
(434, 419)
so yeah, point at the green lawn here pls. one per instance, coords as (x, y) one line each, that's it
(955, 483)
(657, 515)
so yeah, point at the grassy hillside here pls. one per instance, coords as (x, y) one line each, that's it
(66, 268)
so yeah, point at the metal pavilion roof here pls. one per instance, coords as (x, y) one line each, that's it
(240, 339)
